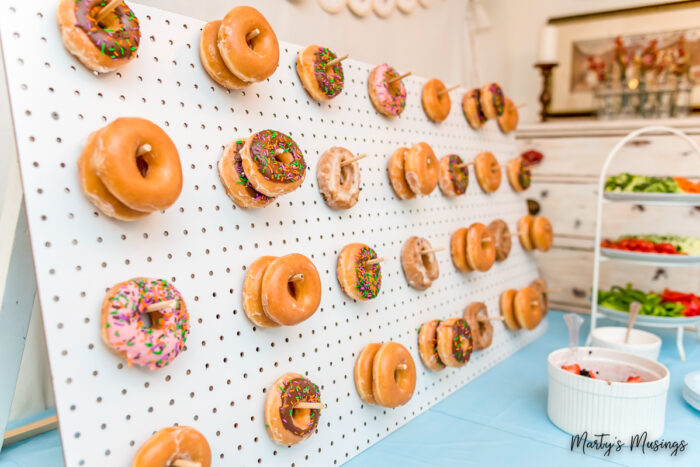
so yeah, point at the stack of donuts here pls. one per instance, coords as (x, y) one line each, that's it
(385, 374)
(489, 102)
(473, 248)
(129, 169)
(524, 308)
(281, 291)
(239, 50)
(413, 171)
(535, 233)
(266, 165)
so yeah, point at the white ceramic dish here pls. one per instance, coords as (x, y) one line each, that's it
(649, 257)
(641, 342)
(691, 381)
(576, 403)
(623, 316)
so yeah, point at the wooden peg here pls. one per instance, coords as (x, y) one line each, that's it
(143, 149)
(464, 164)
(558, 289)
(185, 463)
(296, 278)
(310, 405)
(252, 34)
(401, 366)
(374, 261)
(491, 318)
(152, 308)
(337, 60)
(432, 250)
(353, 159)
(399, 78)
(520, 106)
(445, 91)
(107, 9)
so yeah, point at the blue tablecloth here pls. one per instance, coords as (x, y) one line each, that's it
(500, 419)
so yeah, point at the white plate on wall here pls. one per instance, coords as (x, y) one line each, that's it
(649, 257)
(692, 199)
(648, 319)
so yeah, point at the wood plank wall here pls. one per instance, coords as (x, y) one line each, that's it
(565, 185)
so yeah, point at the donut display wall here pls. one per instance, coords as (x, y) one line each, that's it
(204, 244)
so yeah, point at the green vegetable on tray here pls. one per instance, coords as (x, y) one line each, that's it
(626, 182)
(618, 298)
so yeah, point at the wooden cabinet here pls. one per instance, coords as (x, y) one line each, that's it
(566, 186)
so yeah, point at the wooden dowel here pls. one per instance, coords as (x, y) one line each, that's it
(520, 106)
(374, 261)
(337, 60)
(399, 78)
(353, 159)
(27, 431)
(445, 91)
(185, 463)
(491, 318)
(107, 9)
(310, 405)
(296, 278)
(161, 305)
(144, 149)
(432, 250)
(464, 164)
(252, 34)
(401, 366)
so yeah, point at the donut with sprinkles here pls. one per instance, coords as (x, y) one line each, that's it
(103, 44)
(273, 163)
(387, 96)
(321, 81)
(286, 423)
(358, 279)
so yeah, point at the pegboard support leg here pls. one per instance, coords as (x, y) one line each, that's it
(17, 302)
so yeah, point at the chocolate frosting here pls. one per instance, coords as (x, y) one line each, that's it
(294, 391)
(461, 352)
(242, 179)
(119, 42)
(263, 149)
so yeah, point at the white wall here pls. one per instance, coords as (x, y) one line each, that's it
(508, 50)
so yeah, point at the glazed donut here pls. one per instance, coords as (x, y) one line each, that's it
(482, 330)
(458, 250)
(501, 237)
(322, 83)
(481, 248)
(540, 285)
(397, 176)
(388, 99)
(393, 386)
(286, 301)
(211, 59)
(150, 182)
(96, 192)
(273, 163)
(519, 176)
(250, 60)
(527, 308)
(506, 302)
(146, 338)
(436, 102)
(104, 46)
(471, 106)
(541, 233)
(492, 100)
(427, 345)
(171, 444)
(339, 184)
(252, 293)
(383, 8)
(524, 227)
(509, 120)
(453, 180)
(359, 280)
(421, 169)
(286, 424)
(420, 269)
(488, 172)
(455, 342)
(235, 182)
(363, 372)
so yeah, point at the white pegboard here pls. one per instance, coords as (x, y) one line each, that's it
(204, 243)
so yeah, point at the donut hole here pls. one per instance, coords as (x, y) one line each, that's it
(151, 320)
(284, 157)
(111, 21)
(301, 417)
(398, 373)
(395, 87)
(344, 173)
(292, 289)
(142, 165)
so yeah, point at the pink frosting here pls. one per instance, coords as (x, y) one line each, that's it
(154, 345)
(394, 103)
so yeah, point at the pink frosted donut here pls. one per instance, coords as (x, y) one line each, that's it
(145, 338)
(388, 99)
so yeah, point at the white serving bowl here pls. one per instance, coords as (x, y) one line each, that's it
(578, 404)
(641, 342)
